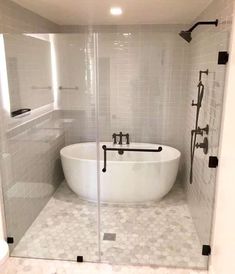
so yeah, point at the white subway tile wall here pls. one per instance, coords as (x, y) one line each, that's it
(204, 48)
(76, 95)
(142, 84)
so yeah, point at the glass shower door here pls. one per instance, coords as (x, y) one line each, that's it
(144, 217)
(136, 76)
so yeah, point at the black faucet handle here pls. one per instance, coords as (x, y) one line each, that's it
(205, 129)
(198, 145)
(114, 136)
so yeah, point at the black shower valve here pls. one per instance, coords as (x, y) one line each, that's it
(199, 145)
(203, 145)
(197, 131)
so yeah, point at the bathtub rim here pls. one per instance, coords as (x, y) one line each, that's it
(120, 162)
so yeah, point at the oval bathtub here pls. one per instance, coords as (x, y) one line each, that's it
(134, 177)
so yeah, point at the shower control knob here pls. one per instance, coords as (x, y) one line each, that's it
(203, 145)
(205, 129)
(198, 145)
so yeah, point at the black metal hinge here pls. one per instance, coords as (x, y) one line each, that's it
(206, 250)
(10, 240)
(223, 57)
(213, 162)
(80, 259)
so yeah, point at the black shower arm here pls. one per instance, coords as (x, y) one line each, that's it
(204, 23)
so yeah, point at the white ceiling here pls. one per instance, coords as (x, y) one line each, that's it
(96, 12)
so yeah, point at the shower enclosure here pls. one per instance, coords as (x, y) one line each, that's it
(84, 88)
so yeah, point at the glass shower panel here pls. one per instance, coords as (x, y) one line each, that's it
(143, 91)
(45, 218)
(201, 191)
(140, 94)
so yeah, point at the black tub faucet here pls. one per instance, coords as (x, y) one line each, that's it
(121, 135)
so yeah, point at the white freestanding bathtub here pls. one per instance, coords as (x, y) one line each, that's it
(134, 177)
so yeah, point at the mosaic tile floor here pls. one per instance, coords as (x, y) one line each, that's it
(160, 233)
(31, 266)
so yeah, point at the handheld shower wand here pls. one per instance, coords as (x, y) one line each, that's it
(197, 130)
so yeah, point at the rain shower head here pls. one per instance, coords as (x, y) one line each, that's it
(186, 34)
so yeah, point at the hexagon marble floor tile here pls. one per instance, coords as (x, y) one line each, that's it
(160, 233)
(37, 266)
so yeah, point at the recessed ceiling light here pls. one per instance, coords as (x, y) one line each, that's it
(116, 11)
